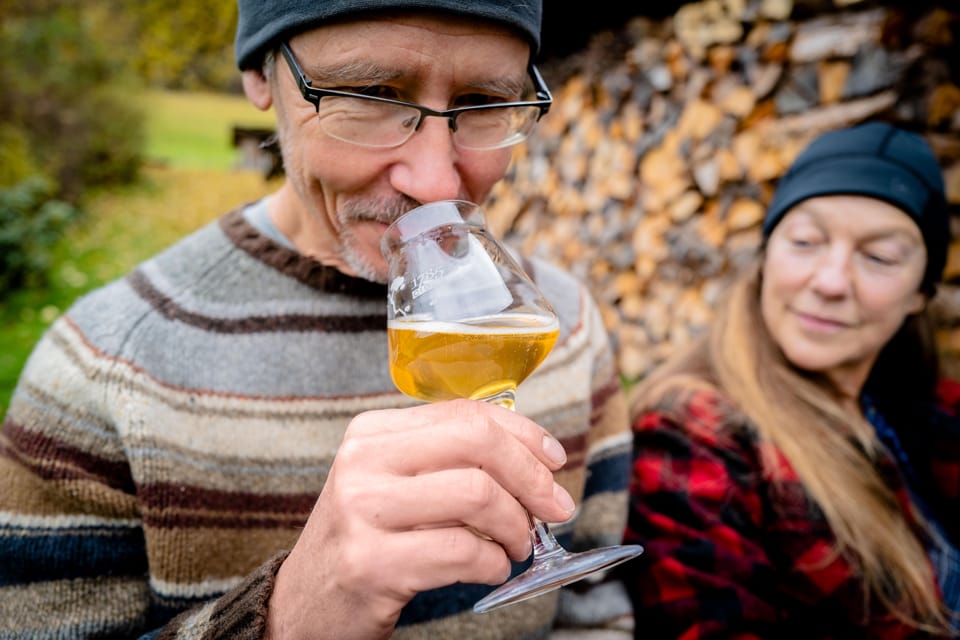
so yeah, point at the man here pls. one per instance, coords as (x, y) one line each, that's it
(169, 438)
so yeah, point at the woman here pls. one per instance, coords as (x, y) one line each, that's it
(796, 471)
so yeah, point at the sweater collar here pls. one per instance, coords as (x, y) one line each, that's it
(293, 264)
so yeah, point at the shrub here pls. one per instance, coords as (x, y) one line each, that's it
(31, 222)
(16, 159)
(64, 92)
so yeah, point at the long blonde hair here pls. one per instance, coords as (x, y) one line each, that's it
(831, 448)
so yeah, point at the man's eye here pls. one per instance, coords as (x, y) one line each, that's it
(479, 99)
(375, 91)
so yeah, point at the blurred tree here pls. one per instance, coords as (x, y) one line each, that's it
(67, 124)
(31, 222)
(176, 45)
(64, 107)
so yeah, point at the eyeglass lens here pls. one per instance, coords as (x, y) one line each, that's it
(379, 124)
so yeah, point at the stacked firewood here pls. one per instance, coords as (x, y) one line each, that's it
(649, 177)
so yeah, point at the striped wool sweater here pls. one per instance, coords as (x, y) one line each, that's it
(170, 434)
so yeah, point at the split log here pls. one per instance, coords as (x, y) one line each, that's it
(650, 175)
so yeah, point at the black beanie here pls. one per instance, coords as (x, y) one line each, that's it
(879, 161)
(263, 23)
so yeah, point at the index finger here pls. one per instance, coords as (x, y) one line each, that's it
(515, 452)
(538, 440)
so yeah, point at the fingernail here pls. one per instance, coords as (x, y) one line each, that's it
(563, 498)
(553, 449)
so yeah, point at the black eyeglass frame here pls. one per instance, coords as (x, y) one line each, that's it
(313, 95)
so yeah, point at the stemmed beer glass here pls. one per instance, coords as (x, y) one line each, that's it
(465, 321)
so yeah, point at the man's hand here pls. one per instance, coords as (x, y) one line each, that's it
(416, 499)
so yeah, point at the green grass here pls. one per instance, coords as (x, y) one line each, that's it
(189, 181)
(195, 130)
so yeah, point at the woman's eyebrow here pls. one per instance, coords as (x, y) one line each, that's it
(887, 234)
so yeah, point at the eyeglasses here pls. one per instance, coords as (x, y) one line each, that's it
(372, 121)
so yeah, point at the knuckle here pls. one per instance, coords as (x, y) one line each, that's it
(538, 477)
(481, 490)
(480, 429)
(362, 422)
(478, 560)
(353, 567)
(351, 451)
(460, 544)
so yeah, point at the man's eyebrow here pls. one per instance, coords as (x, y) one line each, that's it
(502, 86)
(368, 74)
(360, 73)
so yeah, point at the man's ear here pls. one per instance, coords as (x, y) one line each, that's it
(257, 88)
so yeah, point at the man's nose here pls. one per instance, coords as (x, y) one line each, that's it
(427, 169)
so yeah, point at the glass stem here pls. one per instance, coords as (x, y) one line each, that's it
(506, 399)
(544, 544)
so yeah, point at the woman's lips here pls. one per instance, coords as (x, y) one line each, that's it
(820, 323)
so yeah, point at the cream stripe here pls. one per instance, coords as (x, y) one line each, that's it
(36, 410)
(277, 478)
(563, 379)
(101, 367)
(66, 603)
(610, 446)
(603, 517)
(264, 429)
(9, 518)
(204, 589)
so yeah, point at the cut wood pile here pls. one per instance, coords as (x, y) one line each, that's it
(649, 177)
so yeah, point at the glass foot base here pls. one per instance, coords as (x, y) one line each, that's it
(554, 571)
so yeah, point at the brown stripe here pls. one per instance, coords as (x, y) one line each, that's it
(573, 480)
(576, 448)
(609, 413)
(253, 324)
(232, 520)
(602, 394)
(214, 553)
(299, 267)
(60, 460)
(38, 409)
(178, 496)
(27, 494)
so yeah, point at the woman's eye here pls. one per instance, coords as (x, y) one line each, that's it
(803, 241)
(884, 254)
(885, 259)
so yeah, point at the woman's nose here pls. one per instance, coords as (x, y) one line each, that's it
(832, 277)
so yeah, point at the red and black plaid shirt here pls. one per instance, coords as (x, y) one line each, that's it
(728, 555)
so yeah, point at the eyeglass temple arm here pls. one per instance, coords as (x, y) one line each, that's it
(303, 83)
(541, 89)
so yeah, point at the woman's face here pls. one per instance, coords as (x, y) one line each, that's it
(840, 275)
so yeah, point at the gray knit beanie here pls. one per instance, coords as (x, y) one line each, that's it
(264, 23)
